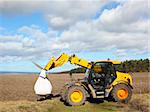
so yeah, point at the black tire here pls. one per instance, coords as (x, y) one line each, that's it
(41, 97)
(70, 91)
(121, 99)
(63, 94)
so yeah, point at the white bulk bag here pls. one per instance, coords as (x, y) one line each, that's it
(43, 86)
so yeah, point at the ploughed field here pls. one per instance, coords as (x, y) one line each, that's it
(20, 87)
(17, 95)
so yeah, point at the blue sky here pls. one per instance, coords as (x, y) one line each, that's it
(35, 31)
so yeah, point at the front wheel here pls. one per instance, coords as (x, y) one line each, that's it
(76, 95)
(122, 93)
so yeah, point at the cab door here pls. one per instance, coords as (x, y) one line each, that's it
(103, 78)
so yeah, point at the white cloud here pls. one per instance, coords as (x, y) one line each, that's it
(112, 30)
(59, 14)
(35, 45)
(130, 11)
(27, 42)
(59, 23)
(65, 8)
(99, 40)
(130, 16)
(123, 29)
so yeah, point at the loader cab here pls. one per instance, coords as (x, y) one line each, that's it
(101, 75)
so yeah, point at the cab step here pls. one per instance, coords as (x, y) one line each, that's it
(100, 94)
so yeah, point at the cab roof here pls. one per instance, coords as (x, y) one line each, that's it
(115, 62)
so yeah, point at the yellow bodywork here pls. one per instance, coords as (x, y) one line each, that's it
(64, 58)
(49, 64)
(115, 62)
(81, 62)
(53, 63)
(122, 78)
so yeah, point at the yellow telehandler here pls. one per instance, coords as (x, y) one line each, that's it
(101, 81)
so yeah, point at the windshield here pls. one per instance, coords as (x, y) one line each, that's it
(87, 72)
(119, 67)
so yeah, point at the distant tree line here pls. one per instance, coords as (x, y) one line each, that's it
(78, 70)
(141, 65)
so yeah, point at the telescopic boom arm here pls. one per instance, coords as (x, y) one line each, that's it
(64, 58)
(43, 85)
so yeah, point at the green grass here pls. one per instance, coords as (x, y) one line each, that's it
(138, 103)
(56, 106)
(88, 107)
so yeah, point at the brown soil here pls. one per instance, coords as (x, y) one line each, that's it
(20, 87)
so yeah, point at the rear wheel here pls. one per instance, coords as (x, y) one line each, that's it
(122, 93)
(76, 95)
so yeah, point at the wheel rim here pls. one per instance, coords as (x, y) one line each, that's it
(76, 96)
(122, 93)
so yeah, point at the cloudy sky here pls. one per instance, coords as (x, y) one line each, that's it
(35, 30)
